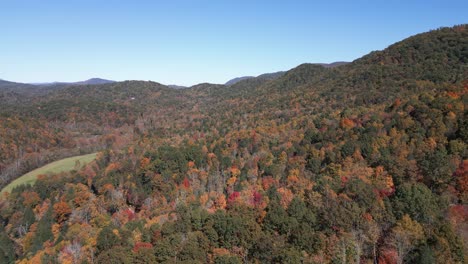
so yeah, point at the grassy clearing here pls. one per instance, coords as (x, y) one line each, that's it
(67, 164)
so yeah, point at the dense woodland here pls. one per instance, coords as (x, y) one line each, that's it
(361, 163)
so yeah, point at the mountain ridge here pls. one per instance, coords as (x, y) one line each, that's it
(359, 163)
(275, 75)
(91, 81)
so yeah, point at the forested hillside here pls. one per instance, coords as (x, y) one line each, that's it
(361, 163)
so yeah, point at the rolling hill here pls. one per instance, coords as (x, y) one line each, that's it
(361, 163)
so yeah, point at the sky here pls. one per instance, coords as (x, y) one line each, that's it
(189, 42)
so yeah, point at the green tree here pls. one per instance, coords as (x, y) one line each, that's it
(417, 201)
(44, 231)
(107, 239)
(288, 255)
(144, 256)
(114, 255)
(266, 248)
(437, 169)
(7, 251)
(405, 236)
(227, 259)
(195, 248)
(164, 251)
(277, 218)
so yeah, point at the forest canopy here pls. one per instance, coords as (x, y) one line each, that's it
(365, 162)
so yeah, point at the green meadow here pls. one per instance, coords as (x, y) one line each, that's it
(62, 165)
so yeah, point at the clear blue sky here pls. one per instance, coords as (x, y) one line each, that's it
(188, 42)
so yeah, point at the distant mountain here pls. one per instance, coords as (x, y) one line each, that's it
(238, 79)
(333, 64)
(265, 76)
(12, 92)
(271, 76)
(276, 75)
(92, 81)
(173, 86)
(12, 85)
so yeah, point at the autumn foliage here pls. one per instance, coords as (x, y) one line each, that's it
(362, 163)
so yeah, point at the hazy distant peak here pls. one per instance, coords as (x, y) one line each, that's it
(174, 86)
(95, 81)
(92, 81)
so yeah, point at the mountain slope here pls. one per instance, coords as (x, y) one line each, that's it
(238, 79)
(11, 92)
(275, 75)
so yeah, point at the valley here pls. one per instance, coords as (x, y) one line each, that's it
(56, 167)
(362, 162)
